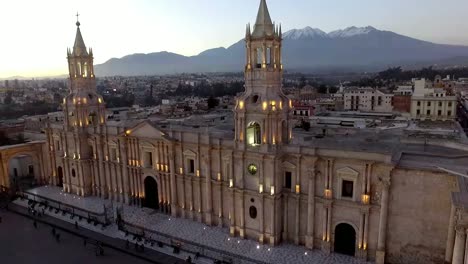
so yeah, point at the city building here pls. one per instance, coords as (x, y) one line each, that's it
(389, 194)
(429, 103)
(367, 99)
(402, 99)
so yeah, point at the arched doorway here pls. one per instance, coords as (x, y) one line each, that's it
(345, 239)
(151, 193)
(60, 176)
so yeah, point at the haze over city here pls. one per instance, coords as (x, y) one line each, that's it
(35, 37)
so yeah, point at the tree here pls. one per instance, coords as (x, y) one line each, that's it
(212, 102)
(305, 125)
(8, 98)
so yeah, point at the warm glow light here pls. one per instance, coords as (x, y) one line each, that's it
(231, 183)
(219, 176)
(241, 104)
(265, 105)
(198, 173)
(167, 168)
(128, 132)
(100, 100)
(298, 188)
(365, 199)
(328, 193)
(181, 171)
(290, 103)
(260, 188)
(272, 190)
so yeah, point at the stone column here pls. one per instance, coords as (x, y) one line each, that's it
(380, 254)
(173, 182)
(310, 211)
(297, 219)
(124, 161)
(209, 192)
(450, 236)
(102, 181)
(459, 247)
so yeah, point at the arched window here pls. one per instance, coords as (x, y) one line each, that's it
(79, 68)
(92, 118)
(85, 69)
(254, 135)
(73, 173)
(259, 57)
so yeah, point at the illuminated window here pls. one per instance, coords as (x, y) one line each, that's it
(254, 136)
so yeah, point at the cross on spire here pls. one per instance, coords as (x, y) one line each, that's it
(77, 19)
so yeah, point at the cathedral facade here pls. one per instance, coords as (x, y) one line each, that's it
(379, 202)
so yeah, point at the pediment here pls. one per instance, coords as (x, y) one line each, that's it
(146, 130)
(347, 171)
(289, 165)
(190, 153)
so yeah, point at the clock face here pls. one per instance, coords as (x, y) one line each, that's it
(252, 168)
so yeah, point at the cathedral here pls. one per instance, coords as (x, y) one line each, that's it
(391, 200)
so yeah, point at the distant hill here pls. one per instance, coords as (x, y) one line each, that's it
(307, 50)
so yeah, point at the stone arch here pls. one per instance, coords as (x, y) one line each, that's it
(34, 150)
(254, 133)
(151, 189)
(345, 238)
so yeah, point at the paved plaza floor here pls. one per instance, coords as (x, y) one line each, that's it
(21, 243)
(215, 237)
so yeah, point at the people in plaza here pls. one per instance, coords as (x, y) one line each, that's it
(76, 225)
(188, 259)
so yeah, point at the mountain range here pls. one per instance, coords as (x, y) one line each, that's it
(305, 50)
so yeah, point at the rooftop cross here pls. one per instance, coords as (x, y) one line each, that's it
(77, 19)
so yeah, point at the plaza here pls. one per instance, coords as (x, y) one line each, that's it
(185, 229)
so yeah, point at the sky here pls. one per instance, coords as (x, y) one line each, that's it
(35, 34)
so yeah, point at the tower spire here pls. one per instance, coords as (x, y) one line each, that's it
(79, 48)
(263, 24)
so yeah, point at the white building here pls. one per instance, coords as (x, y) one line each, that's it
(367, 99)
(432, 103)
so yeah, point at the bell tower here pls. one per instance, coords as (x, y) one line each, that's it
(262, 111)
(84, 112)
(83, 107)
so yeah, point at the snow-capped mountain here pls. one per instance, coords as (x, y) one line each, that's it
(351, 31)
(310, 33)
(305, 33)
(307, 49)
